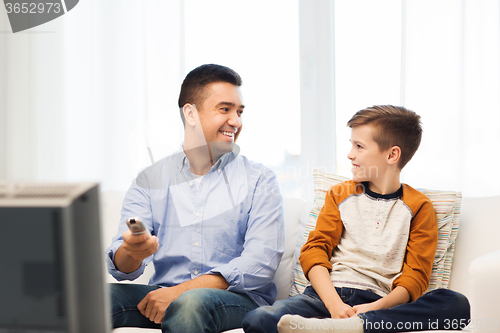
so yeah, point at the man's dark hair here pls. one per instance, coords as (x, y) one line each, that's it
(193, 89)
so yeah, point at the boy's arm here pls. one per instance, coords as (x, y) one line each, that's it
(316, 253)
(324, 238)
(319, 277)
(398, 295)
(420, 252)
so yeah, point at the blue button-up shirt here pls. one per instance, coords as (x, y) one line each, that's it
(231, 225)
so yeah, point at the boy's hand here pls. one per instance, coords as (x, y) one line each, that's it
(361, 308)
(341, 310)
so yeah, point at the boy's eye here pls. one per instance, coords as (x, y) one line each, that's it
(359, 146)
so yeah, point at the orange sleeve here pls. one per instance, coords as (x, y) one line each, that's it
(420, 250)
(324, 238)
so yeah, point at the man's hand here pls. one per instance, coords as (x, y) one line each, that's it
(156, 302)
(341, 310)
(154, 305)
(134, 250)
(139, 247)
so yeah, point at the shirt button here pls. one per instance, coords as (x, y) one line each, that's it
(185, 161)
(218, 170)
(196, 244)
(195, 272)
(197, 214)
(190, 183)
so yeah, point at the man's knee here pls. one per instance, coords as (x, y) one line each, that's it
(193, 301)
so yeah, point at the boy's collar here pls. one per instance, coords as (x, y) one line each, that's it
(375, 195)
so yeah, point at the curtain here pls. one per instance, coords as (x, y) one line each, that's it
(439, 59)
(85, 95)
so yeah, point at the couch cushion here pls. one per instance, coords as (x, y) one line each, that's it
(283, 276)
(447, 207)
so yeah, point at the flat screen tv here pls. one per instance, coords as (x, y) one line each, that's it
(51, 258)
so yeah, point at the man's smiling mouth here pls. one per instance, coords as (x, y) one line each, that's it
(230, 134)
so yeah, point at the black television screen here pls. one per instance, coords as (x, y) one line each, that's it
(51, 254)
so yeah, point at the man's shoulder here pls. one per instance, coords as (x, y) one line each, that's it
(156, 175)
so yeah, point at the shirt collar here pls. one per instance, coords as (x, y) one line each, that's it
(182, 161)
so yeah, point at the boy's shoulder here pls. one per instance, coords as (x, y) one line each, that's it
(415, 199)
(343, 190)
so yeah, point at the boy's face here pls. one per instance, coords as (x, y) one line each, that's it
(368, 162)
(220, 113)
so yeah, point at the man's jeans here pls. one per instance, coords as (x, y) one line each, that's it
(439, 309)
(195, 311)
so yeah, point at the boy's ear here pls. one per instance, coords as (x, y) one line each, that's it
(189, 114)
(394, 155)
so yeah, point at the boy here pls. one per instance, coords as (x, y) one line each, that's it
(369, 259)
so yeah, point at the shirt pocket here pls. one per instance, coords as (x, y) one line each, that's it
(229, 235)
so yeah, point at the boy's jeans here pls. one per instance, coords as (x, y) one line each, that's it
(441, 309)
(196, 310)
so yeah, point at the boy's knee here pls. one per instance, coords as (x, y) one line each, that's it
(460, 303)
(257, 320)
(457, 303)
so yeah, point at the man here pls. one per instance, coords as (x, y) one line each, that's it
(214, 222)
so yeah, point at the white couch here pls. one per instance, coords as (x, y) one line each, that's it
(475, 270)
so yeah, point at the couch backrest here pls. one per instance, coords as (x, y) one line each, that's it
(111, 203)
(478, 235)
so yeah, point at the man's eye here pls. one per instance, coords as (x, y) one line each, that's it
(225, 109)
(240, 112)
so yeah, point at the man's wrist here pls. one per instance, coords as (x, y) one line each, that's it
(124, 262)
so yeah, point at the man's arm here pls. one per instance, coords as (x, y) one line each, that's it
(134, 249)
(124, 257)
(263, 242)
(154, 305)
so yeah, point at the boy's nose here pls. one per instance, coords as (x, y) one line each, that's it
(350, 155)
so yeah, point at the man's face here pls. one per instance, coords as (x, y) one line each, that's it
(365, 155)
(220, 114)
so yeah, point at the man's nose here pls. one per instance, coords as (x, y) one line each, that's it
(234, 120)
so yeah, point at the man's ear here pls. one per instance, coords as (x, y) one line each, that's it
(189, 111)
(394, 155)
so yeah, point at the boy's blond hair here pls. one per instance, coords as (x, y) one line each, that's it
(394, 126)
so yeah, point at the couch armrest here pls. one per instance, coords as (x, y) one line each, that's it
(484, 275)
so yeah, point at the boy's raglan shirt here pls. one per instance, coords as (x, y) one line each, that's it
(374, 242)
